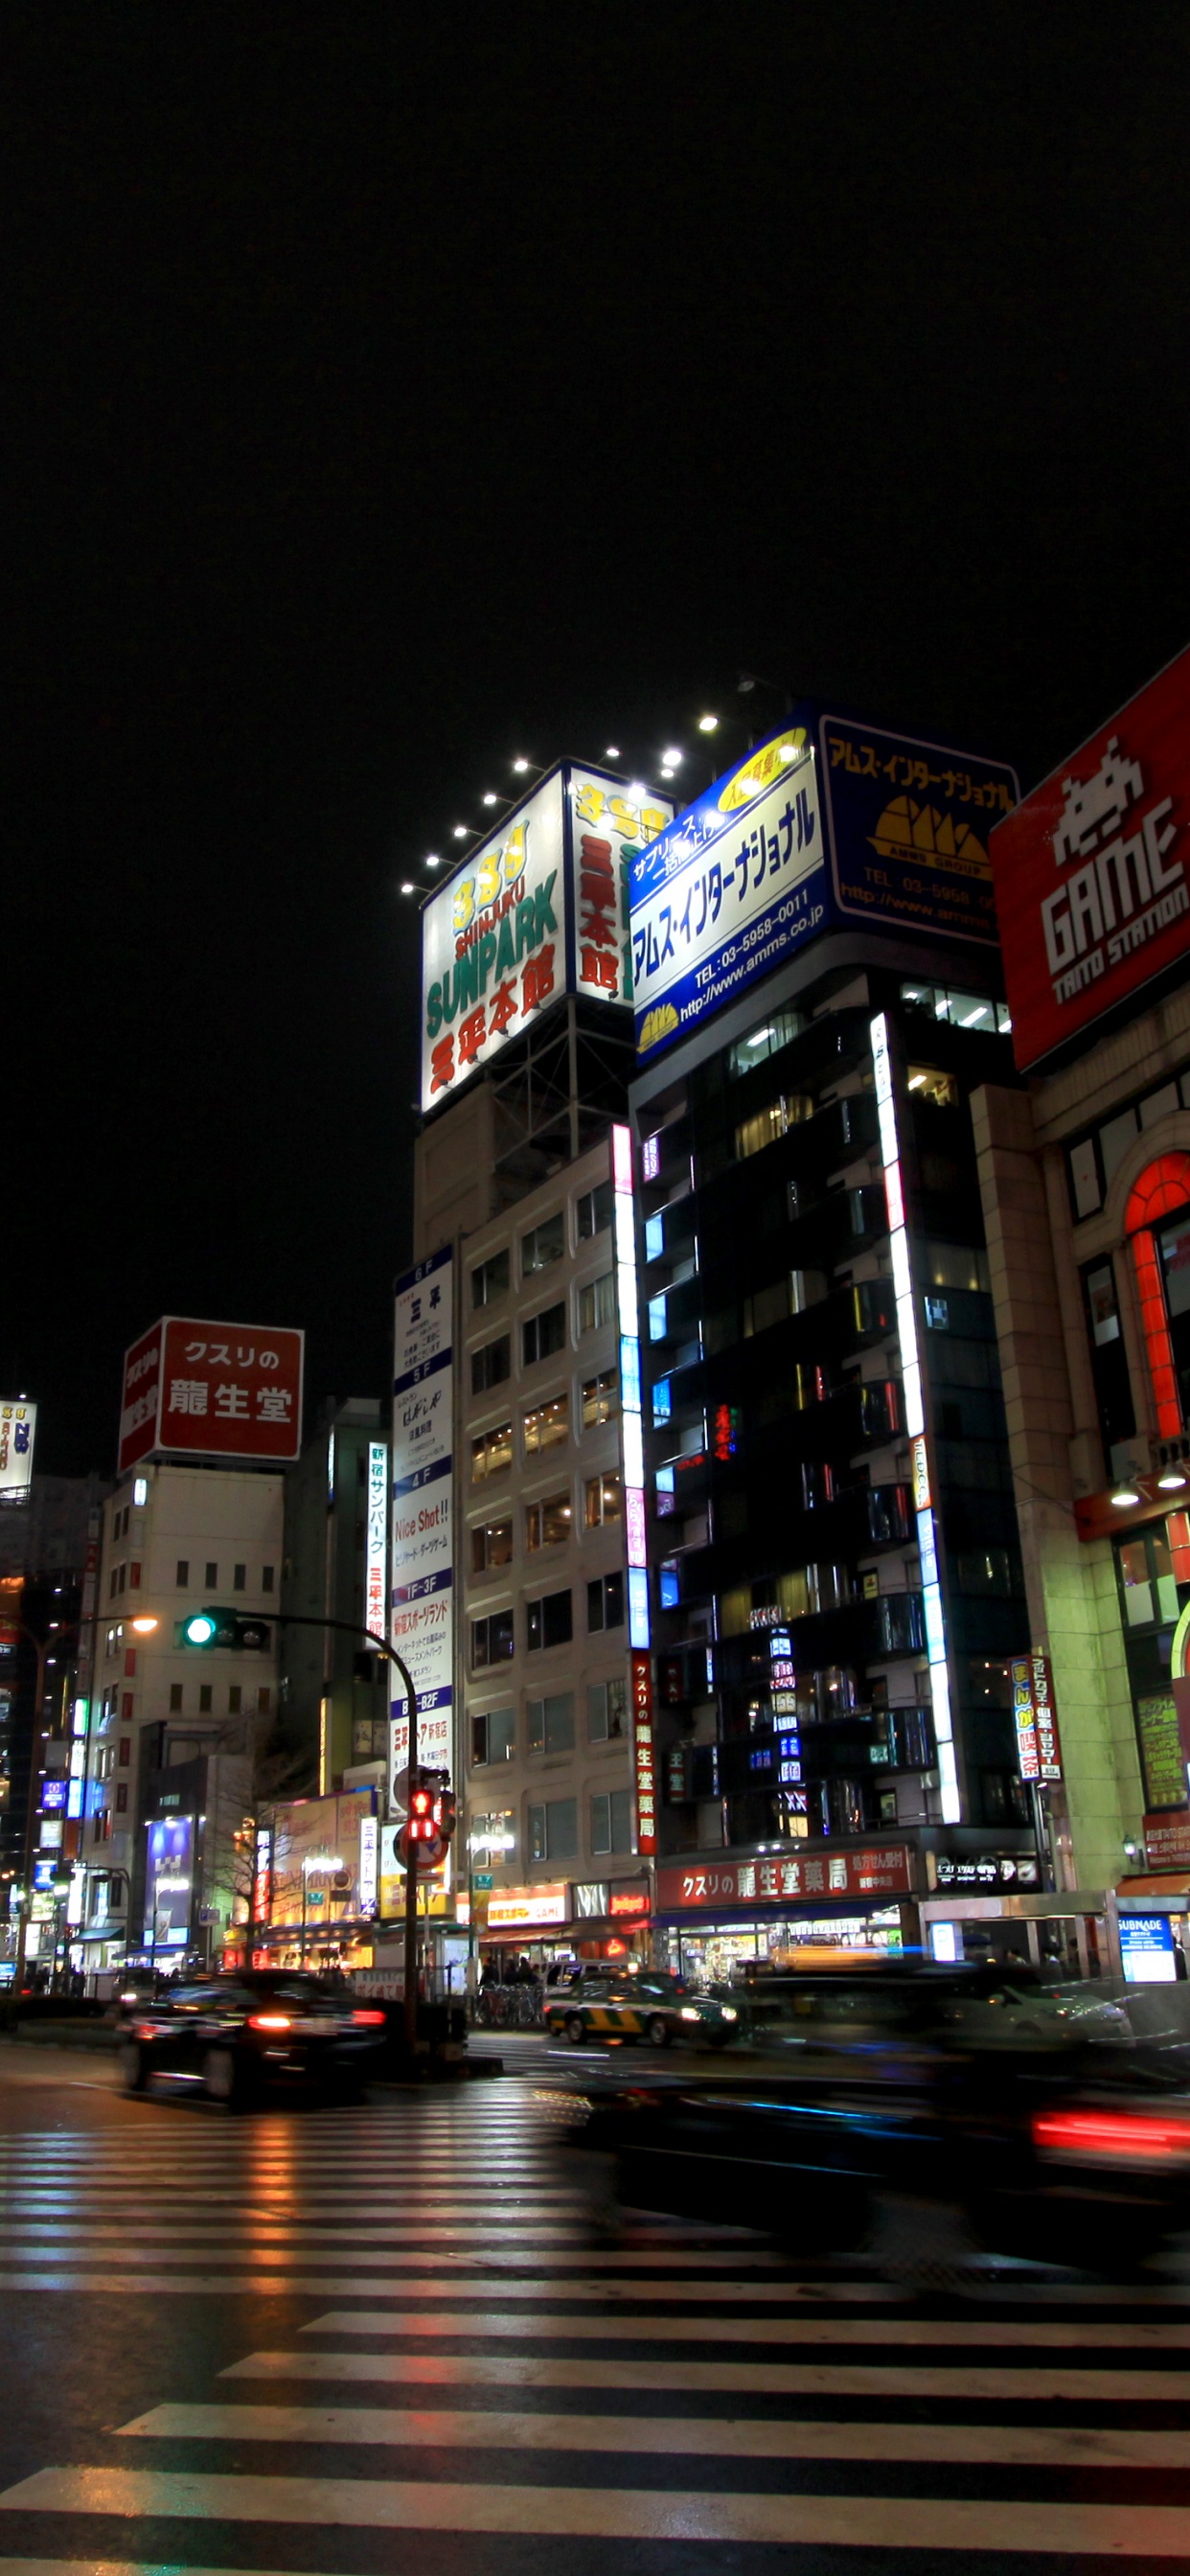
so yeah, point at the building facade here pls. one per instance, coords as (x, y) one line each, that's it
(334, 1694)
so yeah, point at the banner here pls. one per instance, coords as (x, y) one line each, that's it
(422, 1561)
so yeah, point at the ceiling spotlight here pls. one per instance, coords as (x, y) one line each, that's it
(666, 771)
(1124, 1498)
(708, 724)
(407, 888)
(1171, 1482)
(612, 752)
(433, 861)
(672, 757)
(520, 767)
(461, 832)
(491, 798)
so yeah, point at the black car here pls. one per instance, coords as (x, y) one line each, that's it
(1058, 2132)
(241, 2037)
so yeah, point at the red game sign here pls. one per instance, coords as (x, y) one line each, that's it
(1090, 872)
(212, 1391)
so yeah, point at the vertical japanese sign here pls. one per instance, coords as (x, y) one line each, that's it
(642, 1754)
(1039, 1752)
(631, 1428)
(18, 1422)
(213, 1391)
(422, 1560)
(376, 1543)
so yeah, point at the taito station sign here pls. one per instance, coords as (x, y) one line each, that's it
(1090, 872)
(212, 1391)
(538, 910)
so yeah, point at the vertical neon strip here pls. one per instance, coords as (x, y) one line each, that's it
(927, 1538)
(1156, 1331)
(631, 1429)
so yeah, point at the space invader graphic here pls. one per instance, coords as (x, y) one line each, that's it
(1095, 806)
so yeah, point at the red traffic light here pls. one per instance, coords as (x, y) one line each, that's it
(421, 1827)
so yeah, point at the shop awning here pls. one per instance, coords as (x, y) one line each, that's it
(1170, 1883)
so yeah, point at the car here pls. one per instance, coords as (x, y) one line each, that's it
(263, 2031)
(652, 2006)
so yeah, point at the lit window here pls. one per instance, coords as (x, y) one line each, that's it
(546, 1426)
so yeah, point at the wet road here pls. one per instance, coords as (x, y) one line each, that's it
(386, 2339)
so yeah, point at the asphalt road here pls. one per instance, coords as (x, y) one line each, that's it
(386, 2339)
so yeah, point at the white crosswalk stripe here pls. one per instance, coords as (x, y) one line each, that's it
(493, 2367)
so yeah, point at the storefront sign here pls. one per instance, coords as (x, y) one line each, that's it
(213, 1391)
(422, 1573)
(627, 1904)
(1039, 1753)
(1147, 1949)
(987, 1871)
(642, 1745)
(522, 1909)
(1090, 872)
(18, 1425)
(376, 1556)
(1167, 1843)
(879, 1872)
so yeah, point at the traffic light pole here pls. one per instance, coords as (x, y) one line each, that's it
(298, 1619)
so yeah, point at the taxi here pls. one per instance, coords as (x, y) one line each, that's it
(653, 2006)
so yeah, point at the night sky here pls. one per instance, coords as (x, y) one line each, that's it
(393, 390)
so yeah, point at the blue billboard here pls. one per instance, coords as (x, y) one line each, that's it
(829, 821)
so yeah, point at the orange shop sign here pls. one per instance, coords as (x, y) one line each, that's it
(521, 1909)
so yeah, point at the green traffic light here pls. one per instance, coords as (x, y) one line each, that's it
(199, 1630)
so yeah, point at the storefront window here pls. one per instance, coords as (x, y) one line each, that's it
(1153, 1572)
(1173, 1247)
(1109, 1359)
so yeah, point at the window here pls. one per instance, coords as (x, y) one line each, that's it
(125, 1755)
(607, 1711)
(239, 1577)
(183, 1573)
(493, 1736)
(266, 1575)
(549, 1622)
(603, 1500)
(953, 1265)
(939, 1089)
(547, 1425)
(491, 1452)
(212, 1575)
(611, 1821)
(601, 1399)
(760, 1043)
(491, 1364)
(789, 1109)
(547, 1523)
(493, 1837)
(963, 1010)
(491, 1546)
(489, 1280)
(551, 1723)
(204, 1699)
(264, 1699)
(605, 1602)
(597, 1303)
(543, 1334)
(491, 1639)
(175, 1696)
(553, 1830)
(594, 1211)
(1109, 1359)
(235, 1699)
(121, 1797)
(546, 1243)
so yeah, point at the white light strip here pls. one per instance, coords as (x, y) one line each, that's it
(927, 1539)
(631, 1427)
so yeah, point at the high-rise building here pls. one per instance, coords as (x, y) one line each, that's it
(334, 1693)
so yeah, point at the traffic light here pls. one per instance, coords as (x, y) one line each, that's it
(236, 1630)
(421, 1813)
(446, 1814)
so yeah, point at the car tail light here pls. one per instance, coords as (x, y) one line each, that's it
(270, 2021)
(143, 2030)
(1135, 2136)
(369, 2020)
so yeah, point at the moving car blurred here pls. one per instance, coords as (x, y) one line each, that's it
(1058, 2131)
(259, 2031)
(652, 2006)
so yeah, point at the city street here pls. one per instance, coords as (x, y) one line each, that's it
(350, 2340)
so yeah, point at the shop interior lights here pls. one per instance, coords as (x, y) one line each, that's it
(927, 1537)
(630, 1412)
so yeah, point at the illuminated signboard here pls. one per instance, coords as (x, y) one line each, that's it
(376, 1539)
(1147, 1952)
(882, 1871)
(538, 910)
(18, 1425)
(53, 1796)
(826, 822)
(1090, 872)
(422, 1563)
(1039, 1753)
(213, 1391)
(910, 1356)
(516, 1909)
(643, 1753)
(631, 1435)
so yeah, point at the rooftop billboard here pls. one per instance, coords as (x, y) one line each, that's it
(537, 910)
(212, 1391)
(1090, 872)
(827, 822)
(18, 1425)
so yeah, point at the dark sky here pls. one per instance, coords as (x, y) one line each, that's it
(391, 390)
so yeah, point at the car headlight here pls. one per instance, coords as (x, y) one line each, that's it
(730, 2013)
(688, 2013)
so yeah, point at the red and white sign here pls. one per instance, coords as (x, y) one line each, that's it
(1090, 872)
(642, 1743)
(212, 1391)
(1167, 1842)
(703, 1888)
(519, 1909)
(627, 1904)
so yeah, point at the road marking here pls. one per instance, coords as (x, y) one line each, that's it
(890, 2522)
(1142, 2333)
(884, 2380)
(255, 2245)
(1008, 2445)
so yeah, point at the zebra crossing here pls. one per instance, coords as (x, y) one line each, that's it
(456, 2350)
